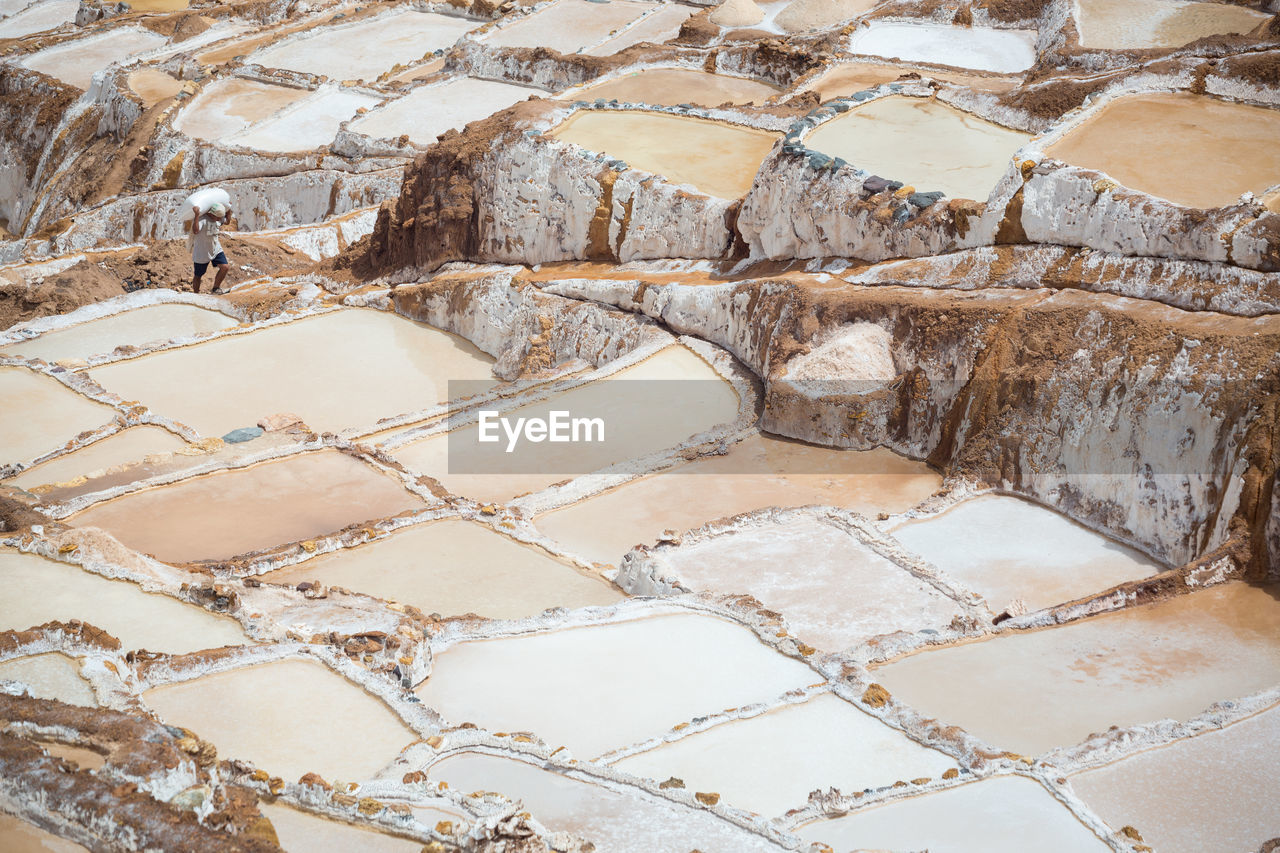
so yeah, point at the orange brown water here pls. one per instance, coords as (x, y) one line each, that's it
(671, 86)
(454, 567)
(1215, 791)
(717, 158)
(86, 759)
(1031, 691)
(18, 836)
(1129, 24)
(757, 472)
(308, 833)
(131, 445)
(305, 718)
(233, 512)
(1207, 153)
(231, 104)
(153, 86)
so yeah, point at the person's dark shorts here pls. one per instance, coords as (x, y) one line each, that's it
(219, 260)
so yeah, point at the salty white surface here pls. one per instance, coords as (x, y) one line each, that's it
(1008, 814)
(131, 445)
(1005, 51)
(136, 328)
(615, 821)
(49, 676)
(429, 111)
(834, 590)
(657, 28)
(569, 25)
(36, 17)
(305, 125)
(769, 763)
(368, 48)
(1005, 548)
(76, 62)
(39, 414)
(601, 687)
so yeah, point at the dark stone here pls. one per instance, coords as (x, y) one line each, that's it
(840, 107)
(818, 160)
(876, 184)
(238, 436)
(923, 200)
(901, 214)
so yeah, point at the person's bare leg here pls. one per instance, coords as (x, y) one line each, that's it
(221, 277)
(195, 283)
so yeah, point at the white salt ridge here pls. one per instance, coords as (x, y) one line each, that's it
(429, 111)
(852, 360)
(1005, 51)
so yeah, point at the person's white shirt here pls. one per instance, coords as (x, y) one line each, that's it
(205, 244)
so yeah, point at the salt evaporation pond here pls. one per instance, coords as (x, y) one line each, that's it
(850, 77)
(980, 48)
(153, 86)
(1032, 691)
(300, 832)
(228, 105)
(305, 719)
(38, 414)
(18, 836)
(339, 370)
(1006, 814)
(454, 567)
(39, 16)
(769, 763)
(221, 515)
(759, 471)
(1215, 791)
(647, 407)
(130, 445)
(429, 111)
(1142, 24)
(672, 86)
(1049, 560)
(834, 590)
(75, 62)
(921, 142)
(85, 759)
(714, 157)
(641, 676)
(38, 591)
(48, 676)
(656, 28)
(135, 328)
(616, 820)
(568, 26)
(307, 125)
(1208, 154)
(366, 49)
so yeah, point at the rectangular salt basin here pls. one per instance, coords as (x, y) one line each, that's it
(76, 62)
(715, 158)
(569, 25)
(151, 324)
(1139, 24)
(598, 688)
(38, 414)
(305, 125)
(454, 567)
(980, 48)
(769, 763)
(339, 370)
(1005, 548)
(1209, 153)
(221, 515)
(429, 111)
(671, 86)
(834, 591)
(131, 445)
(921, 142)
(228, 105)
(1215, 791)
(300, 832)
(656, 28)
(289, 717)
(647, 407)
(18, 836)
(1032, 691)
(616, 821)
(365, 49)
(850, 77)
(49, 676)
(39, 16)
(39, 591)
(1005, 814)
(757, 472)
